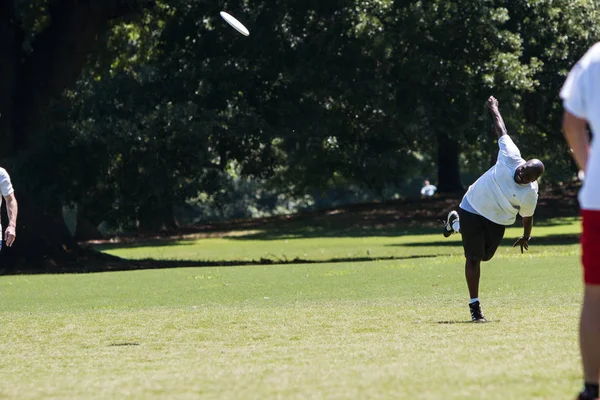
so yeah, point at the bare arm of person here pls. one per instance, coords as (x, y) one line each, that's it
(576, 135)
(492, 104)
(12, 209)
(523, 241)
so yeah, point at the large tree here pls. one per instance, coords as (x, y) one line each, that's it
(449, 56)
(304, 98)
(44, 45)
(558, 33)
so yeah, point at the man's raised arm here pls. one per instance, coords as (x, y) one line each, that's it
(492, 104)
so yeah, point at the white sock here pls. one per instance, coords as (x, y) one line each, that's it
(456, 226)
(474, 300)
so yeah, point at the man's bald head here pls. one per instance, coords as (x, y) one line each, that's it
(529, 172)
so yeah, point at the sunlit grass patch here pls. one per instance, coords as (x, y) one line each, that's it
(377, 329)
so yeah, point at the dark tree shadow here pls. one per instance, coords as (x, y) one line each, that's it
(549, 240)
(466, 322)
(111, 263)
(269, 233)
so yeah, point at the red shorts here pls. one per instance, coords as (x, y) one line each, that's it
(590, 246)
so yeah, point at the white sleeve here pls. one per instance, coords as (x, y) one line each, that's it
(573, 91)
(528, 207)
(509, 153)
(5, 184)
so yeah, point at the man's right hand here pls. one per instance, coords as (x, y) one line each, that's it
(492, 103)
(523, 241)
(10, 235)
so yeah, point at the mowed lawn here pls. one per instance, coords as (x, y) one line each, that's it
(381, 317)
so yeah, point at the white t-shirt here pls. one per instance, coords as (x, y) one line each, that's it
(6, 188)
(495, 195)
(581, 97)
(428, 190)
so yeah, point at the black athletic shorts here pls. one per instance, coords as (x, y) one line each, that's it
(480, 236)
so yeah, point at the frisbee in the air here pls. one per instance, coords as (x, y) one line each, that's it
(237, 25)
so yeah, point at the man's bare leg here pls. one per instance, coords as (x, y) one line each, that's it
(472, 273)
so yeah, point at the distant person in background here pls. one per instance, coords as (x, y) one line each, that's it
(8, 193)
(491, 203)
(581, 102)
(428, 189)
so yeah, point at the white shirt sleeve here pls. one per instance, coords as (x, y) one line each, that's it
(6, 187)
(528, 206)
(573, 91)
(509, 153)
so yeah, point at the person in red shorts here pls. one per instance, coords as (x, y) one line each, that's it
(581, 102)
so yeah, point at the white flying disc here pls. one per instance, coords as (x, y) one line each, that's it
(237, 25)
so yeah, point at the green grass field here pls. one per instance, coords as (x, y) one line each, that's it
(382, 316)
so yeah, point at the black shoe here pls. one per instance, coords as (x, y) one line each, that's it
(476, 314)
(448, 230)
(585, 396)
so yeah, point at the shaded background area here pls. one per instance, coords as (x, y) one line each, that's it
(393, 220)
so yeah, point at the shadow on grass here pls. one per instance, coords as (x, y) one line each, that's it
(431, 226)
(120, 344)
(349, 232)
(268, 234)
(112, 264)
(556, 221)
(549, 240)
(465, 322)
(293, 230)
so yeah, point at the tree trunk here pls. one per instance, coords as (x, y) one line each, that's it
(42, 237)
(448, 165)
(154, 217)
(10, 53)
(84, 228)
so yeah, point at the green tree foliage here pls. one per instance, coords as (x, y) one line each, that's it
(448, 58)
(299, 103)
(307, 85)
(557, 33)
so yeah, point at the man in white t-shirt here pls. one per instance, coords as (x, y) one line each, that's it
(581, 102)
(428, 189)
(8, 193)
(492, 203)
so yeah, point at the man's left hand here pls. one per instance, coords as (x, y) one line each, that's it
(523, 241)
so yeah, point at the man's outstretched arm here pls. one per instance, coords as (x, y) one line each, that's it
(492, 104)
